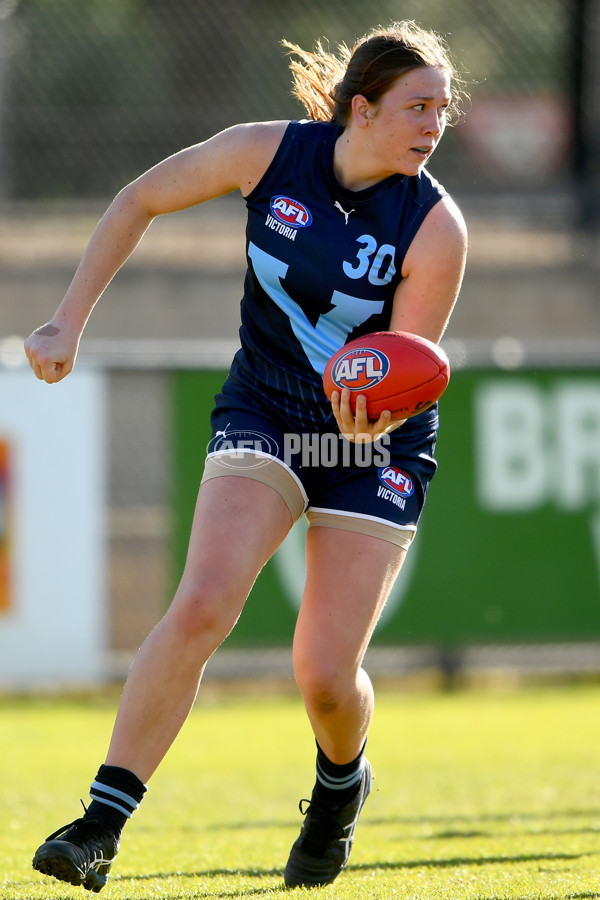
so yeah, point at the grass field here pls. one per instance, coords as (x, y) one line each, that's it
(486, 795)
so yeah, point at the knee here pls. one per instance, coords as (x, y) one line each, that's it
(321, 683)
(204, 606)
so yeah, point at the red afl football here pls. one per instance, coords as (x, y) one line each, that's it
(395, 370)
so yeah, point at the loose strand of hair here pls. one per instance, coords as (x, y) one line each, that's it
(314, 77)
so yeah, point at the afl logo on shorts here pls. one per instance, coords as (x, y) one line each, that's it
(242, 449)
(291, 212)
(360, 369)
(397, 480)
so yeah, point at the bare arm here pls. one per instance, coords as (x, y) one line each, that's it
(235, 158)
(432, 275)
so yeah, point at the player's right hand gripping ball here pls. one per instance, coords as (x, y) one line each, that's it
(395, 370)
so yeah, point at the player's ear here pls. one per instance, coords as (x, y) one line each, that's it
(362, 110)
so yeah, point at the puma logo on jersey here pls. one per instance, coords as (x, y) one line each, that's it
(343, 211)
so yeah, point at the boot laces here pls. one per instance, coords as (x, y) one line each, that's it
(83, 830)
(321, 826)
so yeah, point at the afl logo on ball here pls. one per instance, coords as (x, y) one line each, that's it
(397, 480)
(360, 369)
(290, 212)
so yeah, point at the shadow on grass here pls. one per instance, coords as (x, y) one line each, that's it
(457, 834)
(360, 867)
(451, 861)
(215, 873)
(257, 891)
(202, 873)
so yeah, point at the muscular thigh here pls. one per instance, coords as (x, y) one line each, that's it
(238, 524)
(349, 577)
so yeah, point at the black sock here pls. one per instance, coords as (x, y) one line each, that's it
(338, 784)
(116, 794)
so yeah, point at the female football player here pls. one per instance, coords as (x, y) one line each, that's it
(347, 234)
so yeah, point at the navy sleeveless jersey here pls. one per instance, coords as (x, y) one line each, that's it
(323, 265)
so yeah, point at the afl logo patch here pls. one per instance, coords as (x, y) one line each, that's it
(360, 369)
(291, 212)
(242, 449)
(397, 480)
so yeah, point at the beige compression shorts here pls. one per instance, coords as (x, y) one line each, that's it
(273, 472)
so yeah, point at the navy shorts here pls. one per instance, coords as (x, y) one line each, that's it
(322, 474)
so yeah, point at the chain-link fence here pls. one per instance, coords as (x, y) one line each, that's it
(94, 91)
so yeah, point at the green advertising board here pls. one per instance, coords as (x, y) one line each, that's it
(508, 549)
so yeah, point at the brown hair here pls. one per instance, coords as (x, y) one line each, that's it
(325, 83)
